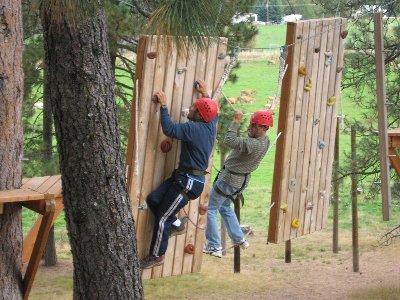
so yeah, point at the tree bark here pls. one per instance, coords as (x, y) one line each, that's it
(11, 96)
(97, 207)
(50, 254)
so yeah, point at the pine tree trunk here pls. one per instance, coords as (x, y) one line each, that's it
(11, 96)
(50, 255)
(97, 208)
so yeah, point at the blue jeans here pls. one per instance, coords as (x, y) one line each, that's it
(219, 203)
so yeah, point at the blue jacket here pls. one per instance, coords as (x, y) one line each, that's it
(197, 140)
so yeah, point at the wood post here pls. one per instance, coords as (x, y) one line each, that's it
(335, 236)
(354, 212)
(288, 251)
(236, 252)
(382, 116)
(38, 249)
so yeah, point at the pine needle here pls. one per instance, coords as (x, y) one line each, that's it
(187, 21)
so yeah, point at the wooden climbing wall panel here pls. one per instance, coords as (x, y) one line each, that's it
(147, 165)
(307, 121)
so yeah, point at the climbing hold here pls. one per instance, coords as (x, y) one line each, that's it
(328, 58)
(292, 184)
(308, 86)
(298, 117)
(331, 100)
(221, 56)
(316, 50)
(343, 34)
(154, 98)
(321, 144)
(203, 209)
(295, 223)
(284, 207)
(299, 36)
(152, 55)
(189, 249)
(302, 70)
(166, 145)
(316, 122)
(339, 69)
(309, 205)
(181, 70)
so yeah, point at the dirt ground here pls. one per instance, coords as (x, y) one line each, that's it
(314, 273)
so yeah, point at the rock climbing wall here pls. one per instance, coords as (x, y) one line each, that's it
(307, 121)
(160, 67)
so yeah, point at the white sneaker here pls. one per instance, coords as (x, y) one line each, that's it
(217, 252)
(243, 243)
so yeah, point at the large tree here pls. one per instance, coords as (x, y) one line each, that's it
(97, 207)
(11, 95)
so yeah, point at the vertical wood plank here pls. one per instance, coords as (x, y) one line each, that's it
(288, 182)
(330, 135)
(317, 59)
(322, 193)
(276, 214)
(303, 155)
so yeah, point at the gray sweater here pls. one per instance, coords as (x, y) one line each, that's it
(245, 156)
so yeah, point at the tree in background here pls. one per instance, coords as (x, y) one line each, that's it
(359, 81)
(11, 149)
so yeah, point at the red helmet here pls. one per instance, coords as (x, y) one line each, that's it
(262, 117)
(207, 108)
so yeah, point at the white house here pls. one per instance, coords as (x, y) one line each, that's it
(238, 18)
(291, 18)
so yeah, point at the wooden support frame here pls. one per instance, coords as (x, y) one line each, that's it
(42, 195)
(393, 143)
(40, 244)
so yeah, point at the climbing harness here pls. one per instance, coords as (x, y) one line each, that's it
(238, 192)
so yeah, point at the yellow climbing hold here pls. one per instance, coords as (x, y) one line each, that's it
(303, 71)
(284, 207)
(308, 86)
(295, 223)
(331, 100)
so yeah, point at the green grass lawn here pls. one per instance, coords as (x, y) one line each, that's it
(271, 36)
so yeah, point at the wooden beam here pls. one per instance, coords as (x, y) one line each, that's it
(38, 249)
(31, 237)
(382, 116)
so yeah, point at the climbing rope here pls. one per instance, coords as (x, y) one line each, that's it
(227, 71)
(282, 71)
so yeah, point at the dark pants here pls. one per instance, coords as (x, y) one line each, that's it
(165, 202)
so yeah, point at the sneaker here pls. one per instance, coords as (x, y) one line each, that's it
(151, 261)
(217, 252)
(243, 243)
(181, 229)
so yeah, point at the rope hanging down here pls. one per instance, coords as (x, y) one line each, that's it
(228, 69)
(282, 70)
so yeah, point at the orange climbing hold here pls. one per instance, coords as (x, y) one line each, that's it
(189, 249)
(203, 209)
(302, 71)
(166, 145)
